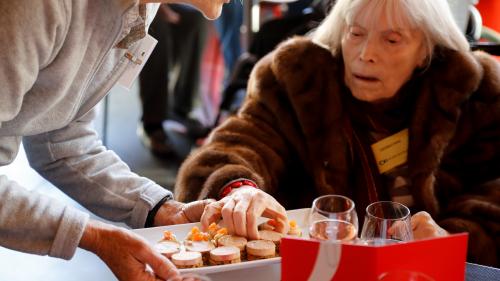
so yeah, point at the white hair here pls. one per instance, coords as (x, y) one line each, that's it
(432, 17)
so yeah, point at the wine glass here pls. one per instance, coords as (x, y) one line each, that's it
(386, 222)
(333, 218)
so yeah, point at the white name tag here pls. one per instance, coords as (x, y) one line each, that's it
(137, 61)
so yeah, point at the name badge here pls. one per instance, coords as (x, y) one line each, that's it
(147, 44)
(391, 151)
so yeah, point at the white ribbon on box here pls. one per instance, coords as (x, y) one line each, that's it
(327, 261)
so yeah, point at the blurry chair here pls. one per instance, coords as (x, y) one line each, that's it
(470, 21)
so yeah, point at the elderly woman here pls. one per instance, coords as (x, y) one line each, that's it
(384, 102)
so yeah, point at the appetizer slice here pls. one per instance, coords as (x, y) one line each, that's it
(260, 249)
(187, 260)
(168, 248)
(272, 236)
(224, 255)
(202, 247)
(234, 241)
(220, 232)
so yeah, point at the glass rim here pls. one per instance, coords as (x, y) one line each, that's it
(334, 195)
(404, 207)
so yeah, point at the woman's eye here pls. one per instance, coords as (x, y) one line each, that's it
(356, 34)
(393, 39)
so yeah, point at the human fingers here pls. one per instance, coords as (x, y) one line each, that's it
(424, 226)
(396, 227)
(227, 214)
(276, 211)
(160, 265)
(281, 219)
(240, 217)
(194, 210)
(254, 211)
(212, 213)
(125, 253)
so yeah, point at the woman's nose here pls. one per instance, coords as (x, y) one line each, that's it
(368, 52)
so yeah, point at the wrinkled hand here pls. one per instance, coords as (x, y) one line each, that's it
(424, 226)
(241, 209)
(126, 253)
(174, 212)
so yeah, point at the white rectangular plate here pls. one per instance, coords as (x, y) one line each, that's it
(155, 234)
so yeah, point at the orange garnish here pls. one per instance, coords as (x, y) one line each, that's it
(197, 237)
(195, 230)
(222, 231)
(200, 236)
(167, 235)
(213, 226)
(205, 236)
(293, 224)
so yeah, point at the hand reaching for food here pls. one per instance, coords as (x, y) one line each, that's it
(240, 210)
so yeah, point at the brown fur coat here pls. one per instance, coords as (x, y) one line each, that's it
(290, 137)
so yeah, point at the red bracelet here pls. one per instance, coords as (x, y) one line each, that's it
(235, 184)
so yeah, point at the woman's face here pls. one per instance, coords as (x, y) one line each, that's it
(379, 59)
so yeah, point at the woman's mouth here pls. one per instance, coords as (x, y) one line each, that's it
(365, 77)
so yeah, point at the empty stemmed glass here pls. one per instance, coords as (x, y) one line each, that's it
(333, 218)
(386, 222)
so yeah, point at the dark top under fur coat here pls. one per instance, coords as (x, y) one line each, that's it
(291, 138)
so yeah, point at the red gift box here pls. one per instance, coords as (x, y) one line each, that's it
(441, 259)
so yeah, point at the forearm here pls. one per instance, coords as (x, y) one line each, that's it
(75, 161)
(33, 223)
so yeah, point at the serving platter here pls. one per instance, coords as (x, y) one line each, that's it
(154, 234)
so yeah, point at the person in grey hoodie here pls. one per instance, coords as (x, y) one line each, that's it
(59, 59)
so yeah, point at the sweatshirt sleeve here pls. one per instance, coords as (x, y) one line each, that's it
(33, 223)
(74, 160)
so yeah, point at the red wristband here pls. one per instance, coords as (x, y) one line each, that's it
(235, 184)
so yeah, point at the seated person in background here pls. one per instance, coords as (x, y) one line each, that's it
(399, 71)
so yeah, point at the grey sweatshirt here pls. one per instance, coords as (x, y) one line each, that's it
(57, 62)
